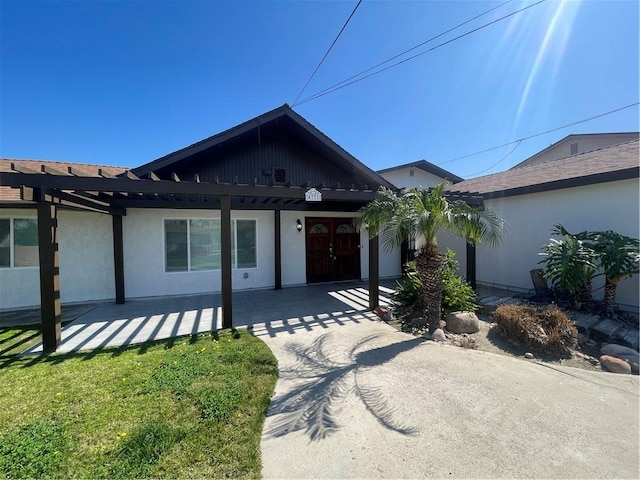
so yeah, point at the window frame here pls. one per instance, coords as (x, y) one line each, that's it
(12, 246)
(234, 233)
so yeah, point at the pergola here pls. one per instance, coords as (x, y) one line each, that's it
(51, 189)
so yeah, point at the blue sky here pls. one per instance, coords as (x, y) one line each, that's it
(123, 83)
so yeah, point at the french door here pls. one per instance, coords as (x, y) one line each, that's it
(333, 250)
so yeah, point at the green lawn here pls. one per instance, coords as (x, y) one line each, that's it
(187, 407)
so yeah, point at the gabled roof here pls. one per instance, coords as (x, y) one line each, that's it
(617, 162)
(427, 167)
(576, 136)
(291, 120)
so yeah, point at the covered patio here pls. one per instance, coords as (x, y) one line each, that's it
(281, 312)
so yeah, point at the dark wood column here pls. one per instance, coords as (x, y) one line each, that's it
(278, 251)
(471, 264)
(49, 275)
(118, 258)
(374, 273)
(225, 244)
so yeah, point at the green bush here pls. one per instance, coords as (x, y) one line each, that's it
(408, 289)
(543, 329)
(457, 294)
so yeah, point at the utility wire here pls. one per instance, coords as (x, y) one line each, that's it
(497, 163)
(327, 53)
(407, 51)
(540, 134)
(342, 85)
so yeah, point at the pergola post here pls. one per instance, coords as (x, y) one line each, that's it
(225, 244)
(374, 273)
(471, 264)
(49, 275)
(118, 258)
(278, 251)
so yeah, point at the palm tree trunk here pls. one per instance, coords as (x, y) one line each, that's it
(429, 268)
(609, 297)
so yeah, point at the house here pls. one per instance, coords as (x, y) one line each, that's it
(267, 204)
(596, 190)
(575, 144)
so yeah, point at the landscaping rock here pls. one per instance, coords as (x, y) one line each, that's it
(615, 365)
(438, 335)
(582, 339)
(620, 351)
(462, 322)
(528, 355)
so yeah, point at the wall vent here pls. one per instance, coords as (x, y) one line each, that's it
(574, 148)
(279, 175)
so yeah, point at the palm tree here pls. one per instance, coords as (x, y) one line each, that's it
(619, 258)
(420, 214)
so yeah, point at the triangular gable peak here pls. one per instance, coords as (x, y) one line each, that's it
(277, 148)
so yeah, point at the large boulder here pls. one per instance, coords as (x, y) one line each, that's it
(615, 365)
(620, 351)
(462, 322)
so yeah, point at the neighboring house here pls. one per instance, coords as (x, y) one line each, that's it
(419, 174)
(596, 190)
(266, 204)
(578, 143)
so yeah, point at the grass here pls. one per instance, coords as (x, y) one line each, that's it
(180, 408)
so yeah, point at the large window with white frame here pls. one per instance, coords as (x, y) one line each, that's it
(194, 244)
(18, 242)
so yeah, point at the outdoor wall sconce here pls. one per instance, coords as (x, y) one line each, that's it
(298, 225)
(366, 226)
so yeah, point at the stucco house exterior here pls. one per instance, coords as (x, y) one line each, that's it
(596, 190)
(266, 204)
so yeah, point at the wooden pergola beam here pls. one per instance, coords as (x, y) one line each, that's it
(226, 270)
(374, 273)
(49, 275)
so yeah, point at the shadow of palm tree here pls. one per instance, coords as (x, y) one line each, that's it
(325, 381)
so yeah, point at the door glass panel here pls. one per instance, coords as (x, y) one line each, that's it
(175, 232)
(25, 242)
(204, 241)
(5, 242)
(246, 244)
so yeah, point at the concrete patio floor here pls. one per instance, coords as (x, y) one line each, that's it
(137, 321)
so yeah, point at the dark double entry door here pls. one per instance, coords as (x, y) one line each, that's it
(333, 249)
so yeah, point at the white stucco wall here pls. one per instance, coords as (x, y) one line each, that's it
(145, 274)
(86, 262)
(608, 206)
(402, 178)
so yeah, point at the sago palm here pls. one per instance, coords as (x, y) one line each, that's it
(421, 214)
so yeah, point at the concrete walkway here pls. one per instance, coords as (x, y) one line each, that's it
(362, 400)
(137, 321)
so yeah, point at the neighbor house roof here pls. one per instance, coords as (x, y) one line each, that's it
(616, 162)
(427, 167)
(622, 138)
(289, 119)
(8, 165)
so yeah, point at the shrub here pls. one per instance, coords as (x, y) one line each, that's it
(543, 329)
(457, 294)
(408, 289)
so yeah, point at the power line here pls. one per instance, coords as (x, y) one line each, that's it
(343, 85)
(407, 51)
(327, 53)
(540, 134)
(497, 163)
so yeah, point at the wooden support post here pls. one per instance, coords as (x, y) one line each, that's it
(374, 273)
(225, 243)
(49, 276)
(278, 251)
(118, 258)
(471, 264)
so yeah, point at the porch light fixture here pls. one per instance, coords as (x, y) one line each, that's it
(298, 225)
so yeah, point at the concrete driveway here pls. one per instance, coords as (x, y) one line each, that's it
(358, 399)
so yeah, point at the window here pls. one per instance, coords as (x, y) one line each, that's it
(574, 148)
(193, 245)
(18, 242)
